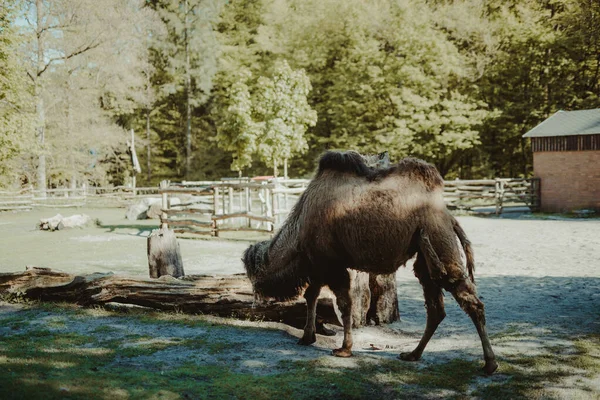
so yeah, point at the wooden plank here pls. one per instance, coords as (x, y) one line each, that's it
(186, 190)
(188, 222)
(470, 182)
(13, 202)
(188, 211)
(470, 195)
(193, 231)
(59, 205)
(243, 229)
(251, 185)
(220, 217)
(13, 208)
(476, 188)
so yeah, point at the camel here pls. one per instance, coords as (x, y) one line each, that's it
(359, 214)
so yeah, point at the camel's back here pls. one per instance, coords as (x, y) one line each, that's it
(344, 184)
(369, 215)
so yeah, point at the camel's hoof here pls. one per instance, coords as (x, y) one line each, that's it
(490, 367)
(409, 356)
(307, 341)
(342, 352)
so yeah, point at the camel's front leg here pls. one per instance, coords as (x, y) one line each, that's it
(311, 295)
(341, 289)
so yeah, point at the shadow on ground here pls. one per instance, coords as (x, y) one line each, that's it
(65, 352)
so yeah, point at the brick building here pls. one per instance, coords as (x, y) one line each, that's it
(566, 158)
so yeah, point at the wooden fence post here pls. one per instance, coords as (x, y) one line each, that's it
(165, 203)
(215, 210)
(269, 209)
(248, 204)
(499, 189)
(223, 202)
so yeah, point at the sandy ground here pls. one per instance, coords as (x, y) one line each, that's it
(539, 280)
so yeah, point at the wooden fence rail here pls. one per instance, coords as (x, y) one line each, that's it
(28, 198)
(252, 206)
(207, 208)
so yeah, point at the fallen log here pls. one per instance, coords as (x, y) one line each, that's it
(225, 296)
(58, 222)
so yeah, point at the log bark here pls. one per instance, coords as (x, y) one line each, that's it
(225, 296)
(164, 255)
(374, 299)
(383, 307)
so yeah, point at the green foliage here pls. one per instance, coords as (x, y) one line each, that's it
(283, 113)
(455, 82)
(238, 132)
(16, 125)
(272, 122)
(384, 77)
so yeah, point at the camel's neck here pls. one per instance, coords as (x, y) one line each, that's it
(281, 274)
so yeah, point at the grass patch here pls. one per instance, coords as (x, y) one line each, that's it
(103, 361)
(529, 376)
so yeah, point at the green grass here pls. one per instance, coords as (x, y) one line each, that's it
(55, 360)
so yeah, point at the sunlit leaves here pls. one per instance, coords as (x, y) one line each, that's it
(272, 122)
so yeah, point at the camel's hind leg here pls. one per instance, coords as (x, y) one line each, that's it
(311, 295)
(434, 301)
(340, 286)
(464, 292)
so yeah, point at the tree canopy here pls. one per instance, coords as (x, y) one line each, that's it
(211, 86)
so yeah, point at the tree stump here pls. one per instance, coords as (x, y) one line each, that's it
(374, 299)
(164, 255)
(383, 307)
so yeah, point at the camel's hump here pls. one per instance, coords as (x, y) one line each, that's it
(354, 163)
(344, 161)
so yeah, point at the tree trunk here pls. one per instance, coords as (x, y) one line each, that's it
(148, 148)
(164, 255)
(188, 88)
(374, 298)
(361, 297)
(39, 100)
(383, 307)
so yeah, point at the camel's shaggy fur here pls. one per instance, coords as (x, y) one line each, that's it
(359, 213)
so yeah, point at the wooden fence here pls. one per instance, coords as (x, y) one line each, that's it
(209, 208)
(234, 205)
(28, 198)
(493, 195)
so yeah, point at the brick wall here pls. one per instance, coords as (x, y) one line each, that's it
(570, 179)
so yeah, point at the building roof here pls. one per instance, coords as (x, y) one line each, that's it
(568, 123)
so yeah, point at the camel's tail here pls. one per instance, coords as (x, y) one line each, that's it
(466, 245)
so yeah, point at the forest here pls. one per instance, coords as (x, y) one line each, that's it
(227, 88)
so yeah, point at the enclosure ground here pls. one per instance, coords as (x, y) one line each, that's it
(539, 279)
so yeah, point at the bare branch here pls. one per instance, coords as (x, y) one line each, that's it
(90, 46)
(11, 105)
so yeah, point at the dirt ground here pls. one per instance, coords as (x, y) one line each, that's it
(538, 277)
